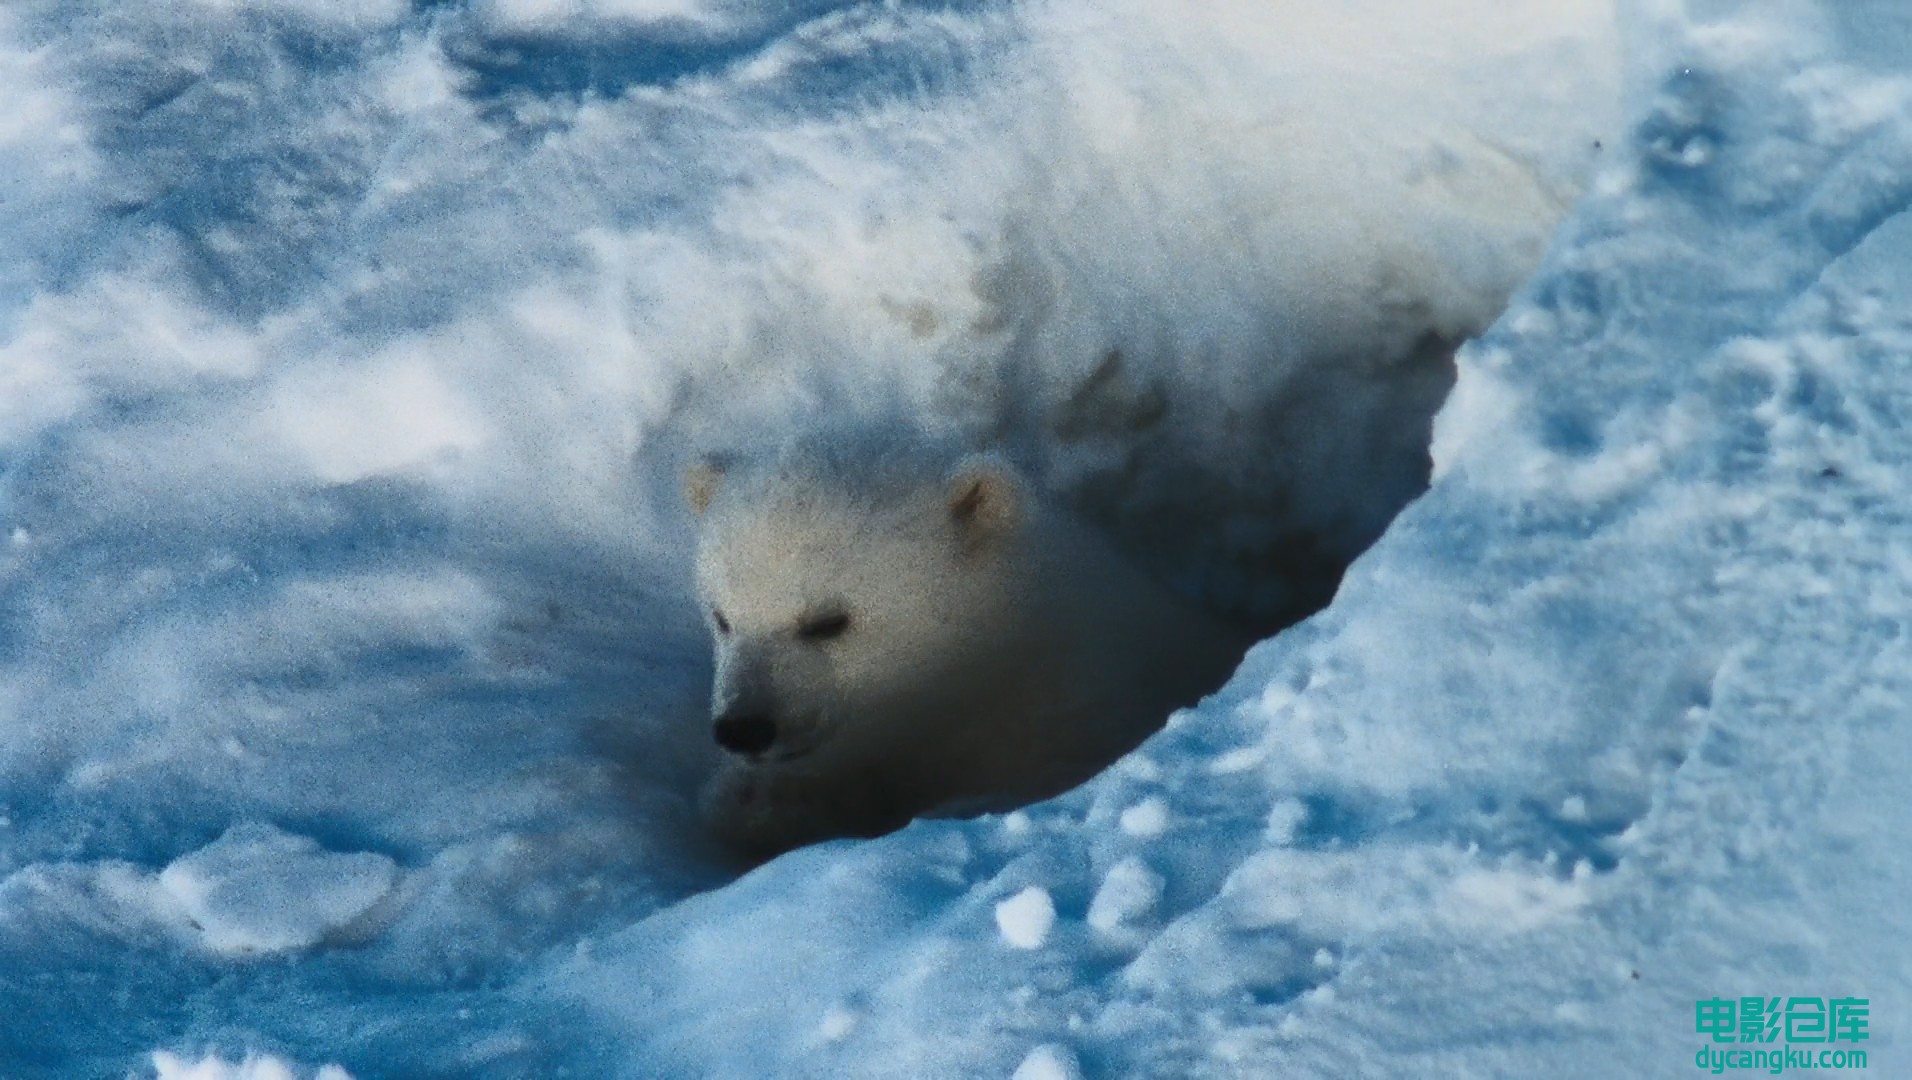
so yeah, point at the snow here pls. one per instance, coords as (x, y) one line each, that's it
(1048, 1062)
(258, 891)
(263, 1067)
(1026, 918)
(350, 355)
(1128, 891)
(1146, 818)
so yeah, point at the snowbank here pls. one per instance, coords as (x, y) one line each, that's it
(349, 353)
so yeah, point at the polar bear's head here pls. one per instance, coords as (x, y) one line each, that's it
(852, 599)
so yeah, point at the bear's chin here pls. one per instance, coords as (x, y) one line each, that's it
(760, 811)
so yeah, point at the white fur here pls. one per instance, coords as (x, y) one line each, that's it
(997, 651)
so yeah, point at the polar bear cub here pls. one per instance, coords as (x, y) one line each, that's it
(901, 631)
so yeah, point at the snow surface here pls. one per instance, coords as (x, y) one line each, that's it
(349, 353)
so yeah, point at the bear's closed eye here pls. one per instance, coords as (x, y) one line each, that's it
(823, 627)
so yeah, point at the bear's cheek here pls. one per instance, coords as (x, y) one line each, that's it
(873, 681)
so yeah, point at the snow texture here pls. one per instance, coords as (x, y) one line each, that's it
(350, 354)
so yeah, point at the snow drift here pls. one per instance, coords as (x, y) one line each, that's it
(348, 355)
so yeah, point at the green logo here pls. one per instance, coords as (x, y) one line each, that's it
(1764, 1021)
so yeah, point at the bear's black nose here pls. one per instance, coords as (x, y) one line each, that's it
(748, 733)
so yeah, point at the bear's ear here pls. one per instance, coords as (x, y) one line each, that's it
(984, 498)
(700, 485)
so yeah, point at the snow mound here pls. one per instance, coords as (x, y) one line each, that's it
(266, 1067)
(1603, 726)
(257, 891)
